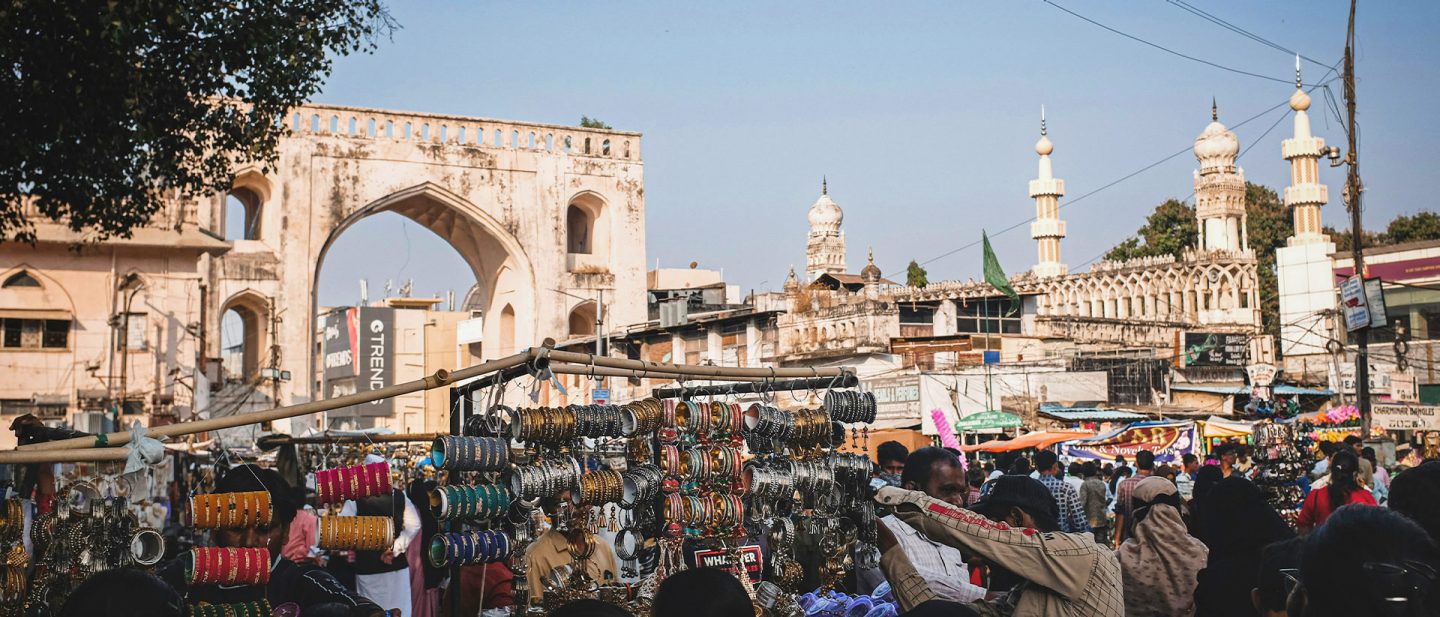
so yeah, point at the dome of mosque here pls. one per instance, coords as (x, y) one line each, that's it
(825, 214)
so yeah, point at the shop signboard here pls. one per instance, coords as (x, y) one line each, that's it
(1375, 303)
(1170, 441)
(986, 420)
(1352, 301)
(359, 354)
(600, 396)
(1215, 349)
(1344, 380)
(895, 397)
(750, 558)
(1405, 417)
(1402, 387)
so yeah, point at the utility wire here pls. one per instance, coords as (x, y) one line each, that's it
(1108, 185)
(1167, 49)
(1192, 9)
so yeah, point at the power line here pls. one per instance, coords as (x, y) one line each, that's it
(1192, 9)
(1167, 49)
(1110, 184)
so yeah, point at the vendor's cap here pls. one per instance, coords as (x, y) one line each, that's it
(1016, 491)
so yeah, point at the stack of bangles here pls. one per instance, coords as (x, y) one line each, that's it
(351, 483)
(231, 510)
(359, 533)
(468, 547)
(642, 417)
(599, 487)
(706, 515)
(253, 608)
(776, 482)
(544, 478)
(544, 424)
(12, 586)
(228, 566)
(814, 475)
(768, 421)
(470, 453)
(469, 502)
(640, 484)
(812, 427)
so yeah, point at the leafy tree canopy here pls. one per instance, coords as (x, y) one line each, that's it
(1167, 231)
(593, 123)
(113, 106)
(915, 275)
(1423, 225)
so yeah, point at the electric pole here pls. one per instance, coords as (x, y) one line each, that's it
(1352, 200)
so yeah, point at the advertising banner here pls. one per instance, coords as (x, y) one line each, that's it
(1170, 441)
(1215, 349)
(1406, 417)
(359, 354)
(895, 397)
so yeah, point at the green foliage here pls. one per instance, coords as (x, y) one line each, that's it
(915, 275)
(593, 123)
(1167, 231)
(1423, 225)
(111, 107)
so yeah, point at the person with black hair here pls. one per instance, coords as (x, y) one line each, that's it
(1343, 489)
(1322, 466)
(301, 545)
(1185, 479)
(890, 456)
(144, 595)
(1075, 475)
(1235, 521)
(1015, 528)
(309, 587)
(1072, 515)
(936, 473)
(681, 594)
(1366, 561)
(384, 576)
(1021, 467)
(1144, 468)
(1416, 494)
(1093, 499)
(975, 478)
(1269, 594)
(1379, 478)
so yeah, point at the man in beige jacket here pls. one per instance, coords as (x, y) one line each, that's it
(1015, 527)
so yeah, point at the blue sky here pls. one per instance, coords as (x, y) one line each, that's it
(923, 115)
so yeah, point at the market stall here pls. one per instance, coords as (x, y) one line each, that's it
(1169, 440)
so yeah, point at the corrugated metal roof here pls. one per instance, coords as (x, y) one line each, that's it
(1282, 390)
(1080, 415)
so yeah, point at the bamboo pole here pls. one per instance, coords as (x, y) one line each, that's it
(70, 455)
(439, 379)
(605, 371)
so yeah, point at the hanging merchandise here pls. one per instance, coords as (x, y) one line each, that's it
(356, 482)
(231, 510)
(227, 566)
(1279, 452)
(357, 533)
(255, 608)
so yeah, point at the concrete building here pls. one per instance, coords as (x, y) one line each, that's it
(538, 211)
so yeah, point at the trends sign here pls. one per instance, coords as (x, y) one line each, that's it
(359, 354)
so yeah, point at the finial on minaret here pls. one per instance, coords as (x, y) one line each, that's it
(1298, 84)
(1042, 120)
(824, 186)
(1214, 110)
(871, 251)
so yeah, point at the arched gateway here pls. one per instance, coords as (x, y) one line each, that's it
(505, 195)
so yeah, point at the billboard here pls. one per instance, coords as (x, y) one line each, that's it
(1215, 349)
(1170, 441)
(358, 354)
(1406, 417)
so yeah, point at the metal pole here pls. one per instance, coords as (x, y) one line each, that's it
(1352, 195)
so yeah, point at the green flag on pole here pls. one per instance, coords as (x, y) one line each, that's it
(995, 276)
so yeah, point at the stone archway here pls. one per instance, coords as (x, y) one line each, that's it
(504, 277)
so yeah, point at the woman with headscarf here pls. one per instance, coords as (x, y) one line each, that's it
(1236, 523)
(1160, 561)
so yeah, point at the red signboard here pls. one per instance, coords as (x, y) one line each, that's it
(1405, 270)
(749, 558)
(1169, 442)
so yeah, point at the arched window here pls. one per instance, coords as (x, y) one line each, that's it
(507, 330)
(579, 230)
(21, 279)
(582, 320)
(244, 325)
(242, 215)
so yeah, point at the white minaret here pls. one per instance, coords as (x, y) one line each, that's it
(825, 249)
(1303, 270)
(1305, 194)
(1219, 188)
(1048, 229)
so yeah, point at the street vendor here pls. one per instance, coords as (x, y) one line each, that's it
(584, 552)
(310, 588)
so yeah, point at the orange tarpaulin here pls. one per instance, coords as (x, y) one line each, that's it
(1040, 440)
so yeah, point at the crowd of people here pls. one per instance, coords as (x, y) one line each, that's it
(1020, 536)
(1197, 538)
